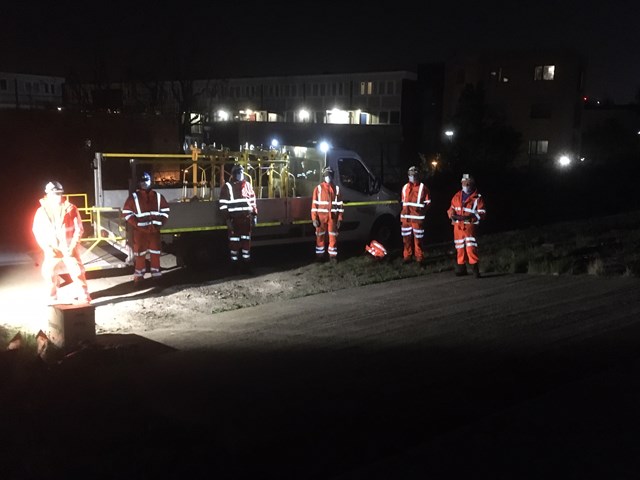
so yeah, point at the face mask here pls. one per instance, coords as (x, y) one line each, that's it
(412, 178)
(55, 198)
(327, 179)
(466, 189)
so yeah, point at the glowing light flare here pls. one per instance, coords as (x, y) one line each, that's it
(324, 146)
(303, 115)
(22, 299)
(338, 116)
(564, 161)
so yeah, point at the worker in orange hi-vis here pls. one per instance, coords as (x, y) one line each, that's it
(465, 213)
(415, 202)
(146, 210)
(326, 216)
(57, 228)
(240, 211)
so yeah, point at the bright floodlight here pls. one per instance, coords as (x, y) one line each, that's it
(303, 115)
(222, 115)
(324, 146)
(448, 133)
(564, 161)
(274, 143)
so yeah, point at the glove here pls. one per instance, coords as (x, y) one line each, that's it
(338, 223)
(457, 217)
(316, 223)
(254, 220)
(229, 224)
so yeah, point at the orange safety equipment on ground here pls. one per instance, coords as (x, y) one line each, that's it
(146, 211)
(376, 249)
(466, 211)
(415, 202)
(57, 227)
(326, 215)
(239, 208)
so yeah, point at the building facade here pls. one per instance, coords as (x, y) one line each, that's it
(539, 94)
(24, 91)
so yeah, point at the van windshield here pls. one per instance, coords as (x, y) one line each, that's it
(353, 174)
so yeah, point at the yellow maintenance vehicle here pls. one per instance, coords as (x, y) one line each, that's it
(283, 179)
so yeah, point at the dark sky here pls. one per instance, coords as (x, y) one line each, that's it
(246, 39)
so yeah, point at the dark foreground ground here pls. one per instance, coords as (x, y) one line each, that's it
(509, 376)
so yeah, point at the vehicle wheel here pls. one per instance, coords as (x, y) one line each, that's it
(386, 231)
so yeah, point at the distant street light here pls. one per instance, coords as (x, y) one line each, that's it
(449, 134)
(564, 161)
(324, 147)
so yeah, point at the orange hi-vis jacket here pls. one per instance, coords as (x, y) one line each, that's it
(237, 199)
(376, 249)
(146, 210)
(415, 202)
(473, 205)
(58, 227)
(326, 203)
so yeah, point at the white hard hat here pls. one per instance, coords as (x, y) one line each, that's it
(53, 187)
(467, 177)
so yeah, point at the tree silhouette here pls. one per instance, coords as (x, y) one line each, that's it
(483, 141)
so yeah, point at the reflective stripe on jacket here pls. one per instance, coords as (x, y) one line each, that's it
(146, 208)
(57, 226)
(473, 205)
(238, 199)
(326, 203)
(415, 202)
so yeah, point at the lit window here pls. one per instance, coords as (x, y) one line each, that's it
(498, 76)
(366, 88)
(538, 147)
(544, 72)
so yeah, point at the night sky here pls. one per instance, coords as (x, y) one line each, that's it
(186, 38)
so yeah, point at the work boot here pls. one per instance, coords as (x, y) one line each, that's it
(319, 259)
(245, 267)
(461, 270)
(406, 260)
(476, 270)
(333, 260)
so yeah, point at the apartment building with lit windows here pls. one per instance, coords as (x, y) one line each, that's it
(539, 93)
(372, 112)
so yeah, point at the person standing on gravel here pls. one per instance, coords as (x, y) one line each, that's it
(146, 211)
(326, 216)
(57, 227)
(465, 213)
(415, 202)
(239, 208)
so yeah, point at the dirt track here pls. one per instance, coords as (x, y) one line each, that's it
(433, 375)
